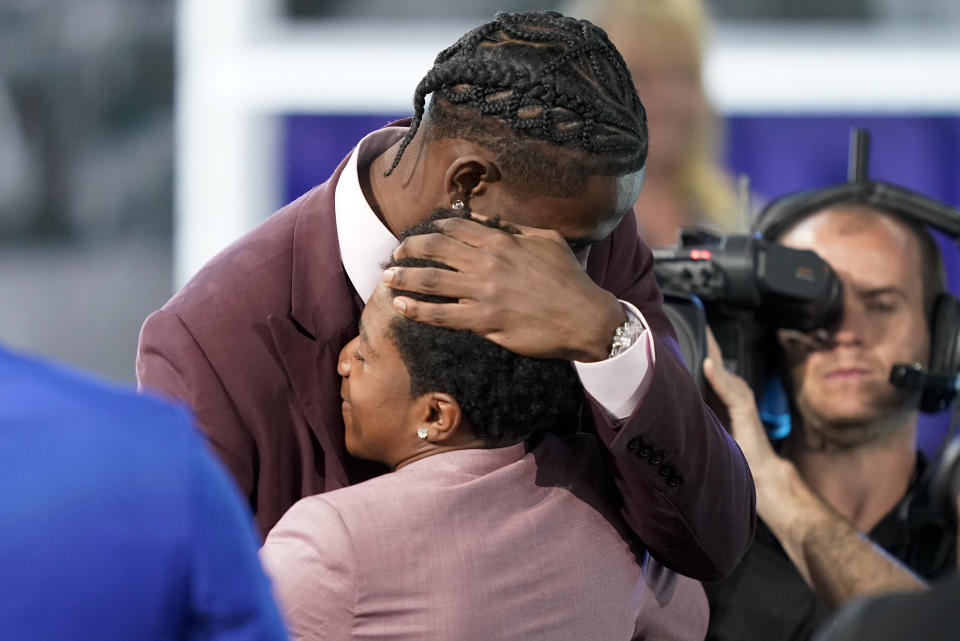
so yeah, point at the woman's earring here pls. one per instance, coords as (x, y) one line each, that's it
(457, 204)
(422, 433)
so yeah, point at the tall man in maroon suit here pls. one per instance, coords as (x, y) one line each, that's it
(535, 113)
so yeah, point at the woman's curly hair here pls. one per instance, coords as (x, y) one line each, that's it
(504, 396)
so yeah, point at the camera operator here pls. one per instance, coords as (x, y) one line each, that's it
(843, 499)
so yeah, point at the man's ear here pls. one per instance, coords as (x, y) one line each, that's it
(470, 175)
(442, 417)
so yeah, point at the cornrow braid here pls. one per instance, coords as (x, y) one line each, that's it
(536, 77)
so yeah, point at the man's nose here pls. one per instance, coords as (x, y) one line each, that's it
(851, 327)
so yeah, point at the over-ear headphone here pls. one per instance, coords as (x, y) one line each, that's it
(945, 487)
(939, 380)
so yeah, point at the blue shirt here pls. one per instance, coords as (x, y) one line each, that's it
(115, 521)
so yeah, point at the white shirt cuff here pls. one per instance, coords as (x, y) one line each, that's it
(620, 383)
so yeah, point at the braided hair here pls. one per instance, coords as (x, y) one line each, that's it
(528, 83)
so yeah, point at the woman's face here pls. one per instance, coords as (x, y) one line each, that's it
(666, 72)
(376, 388)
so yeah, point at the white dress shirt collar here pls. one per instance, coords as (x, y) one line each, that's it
(365, 242)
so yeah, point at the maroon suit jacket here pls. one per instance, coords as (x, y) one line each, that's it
(251, 344)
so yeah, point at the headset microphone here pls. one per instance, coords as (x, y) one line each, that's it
(940, 388)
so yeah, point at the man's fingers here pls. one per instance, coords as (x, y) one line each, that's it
(729, 387)
(438, 247)
(429, 280)
(476, 234)
(713, 369)
(449, 315)
(463, 231)
(715, 377)
(539, 232)
(713, 348)
(475, 215)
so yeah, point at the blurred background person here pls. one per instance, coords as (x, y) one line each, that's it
(86, 175)
(118, 524)
(663, 43)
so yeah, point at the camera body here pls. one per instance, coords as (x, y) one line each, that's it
(746, 289)
(747, 286)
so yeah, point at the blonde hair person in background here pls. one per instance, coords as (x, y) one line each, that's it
(662, 42)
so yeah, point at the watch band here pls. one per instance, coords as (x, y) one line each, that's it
(625, 336)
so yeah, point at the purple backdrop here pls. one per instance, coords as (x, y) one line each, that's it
(780, 154)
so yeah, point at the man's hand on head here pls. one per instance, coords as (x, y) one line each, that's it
(526, 291)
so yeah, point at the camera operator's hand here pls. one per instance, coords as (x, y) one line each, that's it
(775, 477)
(832, 556)
(745, 424)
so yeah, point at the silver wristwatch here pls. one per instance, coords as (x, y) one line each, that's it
(625, 336)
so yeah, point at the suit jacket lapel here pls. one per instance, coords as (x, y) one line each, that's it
(324, 314)
(311, 372)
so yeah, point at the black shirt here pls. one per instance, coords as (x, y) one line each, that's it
(766, 599)
(930, 616)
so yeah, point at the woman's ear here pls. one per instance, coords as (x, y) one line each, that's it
(440, 415)
(469, 176)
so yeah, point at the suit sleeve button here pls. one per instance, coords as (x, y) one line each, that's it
(656, 458)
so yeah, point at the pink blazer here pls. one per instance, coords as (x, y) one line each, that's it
(476, 545)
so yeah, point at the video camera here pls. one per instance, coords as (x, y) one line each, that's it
(745, 288)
